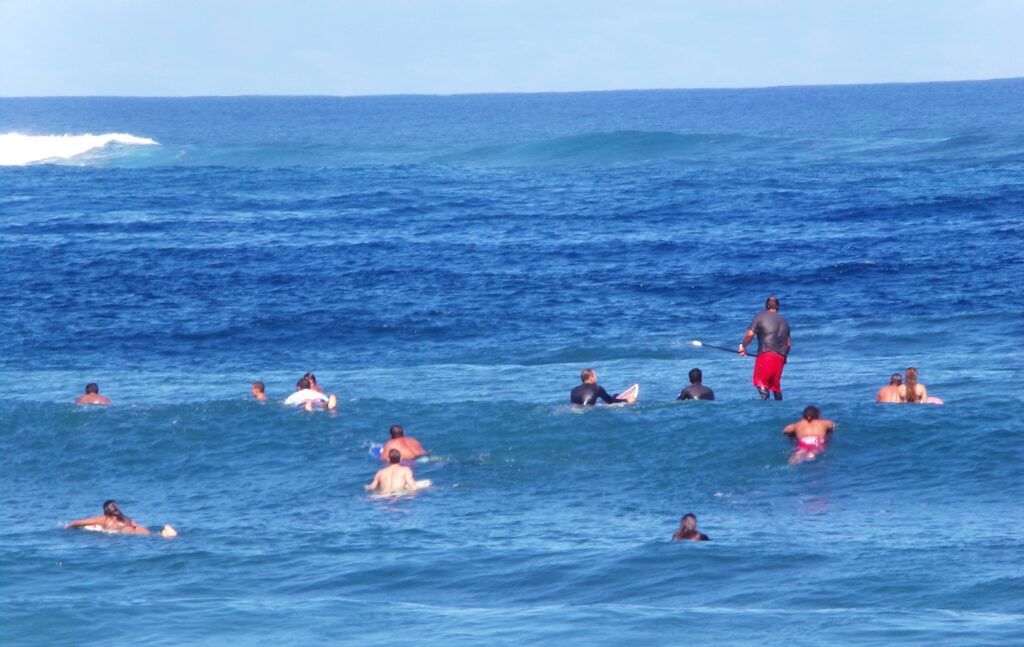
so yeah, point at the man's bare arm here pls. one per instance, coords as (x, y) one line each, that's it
(91, 521)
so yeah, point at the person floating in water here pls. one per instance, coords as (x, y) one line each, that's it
(688, 529)
(92, 395)
(773, 345)
(393, 478)
(811, 433)
(696, 390)
(312, 382)
(113, 520)
(588, 392)
(910, 390)
(409, 448)
(259, 390)
(306, 397)
(891, 391)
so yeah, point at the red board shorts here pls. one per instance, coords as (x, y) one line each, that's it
(811, 444)
(768, 371)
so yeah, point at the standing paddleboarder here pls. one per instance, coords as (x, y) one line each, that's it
(773, 344)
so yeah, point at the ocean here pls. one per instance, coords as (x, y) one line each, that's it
(451, 264)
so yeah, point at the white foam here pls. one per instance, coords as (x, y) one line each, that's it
(17, 149)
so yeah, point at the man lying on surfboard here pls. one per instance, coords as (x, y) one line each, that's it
(810, 432)
(408, 447)
(393, 478)
(588, 392)
(309, 398)
(114, 521)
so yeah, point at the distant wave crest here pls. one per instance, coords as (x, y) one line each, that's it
(17, 149)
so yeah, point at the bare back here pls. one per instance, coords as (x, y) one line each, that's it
(888, 393)
(410, 448)
(393, 478)
(804, 428)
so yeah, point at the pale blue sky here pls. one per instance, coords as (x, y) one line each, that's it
(341, 47)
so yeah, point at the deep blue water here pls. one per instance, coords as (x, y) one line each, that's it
(451, 264)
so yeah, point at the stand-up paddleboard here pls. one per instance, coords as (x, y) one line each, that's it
(631, 394)
(420, 485)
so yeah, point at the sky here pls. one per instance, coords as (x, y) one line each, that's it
(371, 47)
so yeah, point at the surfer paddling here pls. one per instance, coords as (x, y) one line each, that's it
(92, 395)
(811, 433)
(393, 478)
(308, 398)
(696, 390)
(113, 520)
(891, 391)
(773, 345)
(408, 447)
(688, 529)
(587, 393)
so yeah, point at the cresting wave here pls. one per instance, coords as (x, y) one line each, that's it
(17, 149)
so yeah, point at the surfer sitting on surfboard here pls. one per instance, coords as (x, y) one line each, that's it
(393, 478)
(408, 447)
(890, 392)
(588, 392)
(113, 520)
(696, 390)
(810, 432)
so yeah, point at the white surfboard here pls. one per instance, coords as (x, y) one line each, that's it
(420, 485)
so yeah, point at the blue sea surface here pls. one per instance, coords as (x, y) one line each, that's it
(451, 264)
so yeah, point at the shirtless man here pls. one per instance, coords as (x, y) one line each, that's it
(306, 397)
(113, 520)
(588, 392)
(811, 432)
(407, 446)
(696, 390)
(891, 391)
(92, 395)
(259, 390)
(393, 478)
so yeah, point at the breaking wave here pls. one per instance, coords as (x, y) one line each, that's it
(18, 150)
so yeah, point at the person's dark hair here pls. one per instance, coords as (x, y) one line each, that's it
(92, 387)
(397, 431)
(811, 413)
(309, 376)
(586, 374)
(771, 303)
(111, 509)
(303, 383)
(394, 456)
(688, 523)
(696, 376)
(896, 379)
(911, 384)
(260, 386)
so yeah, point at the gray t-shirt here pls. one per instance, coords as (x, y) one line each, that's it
(772, 332)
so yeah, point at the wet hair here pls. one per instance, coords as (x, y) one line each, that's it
(92, 387)
(303, 383)
(695, 375)
(911, 384)
(394, 456)
(811, 413)
(111, 509)
(586, 374)
(259, 386)
(397, 431)
(771, 303)
(309, 376)
(896, 379)
(688, 523)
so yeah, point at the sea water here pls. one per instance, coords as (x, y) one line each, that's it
(450, 264)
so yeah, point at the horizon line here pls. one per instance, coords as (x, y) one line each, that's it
(504, 92)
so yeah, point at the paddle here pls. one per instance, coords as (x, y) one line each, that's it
(701, 344)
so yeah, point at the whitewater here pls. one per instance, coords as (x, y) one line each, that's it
(451, 264)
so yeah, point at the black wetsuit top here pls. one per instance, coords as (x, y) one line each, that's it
(696, 392)
(772, 332)
(589, 393)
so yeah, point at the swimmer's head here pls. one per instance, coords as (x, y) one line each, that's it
(688, 522)
(394, 456)
(588, 375)
(309, 376)
(303, 383)
(811, 413)
(771, 303)
(92, 387)
(696, 376)
(896, 379)
(397, 431)
(111, 509)
(258, 387)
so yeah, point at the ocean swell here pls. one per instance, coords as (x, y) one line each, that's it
(17, 149)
